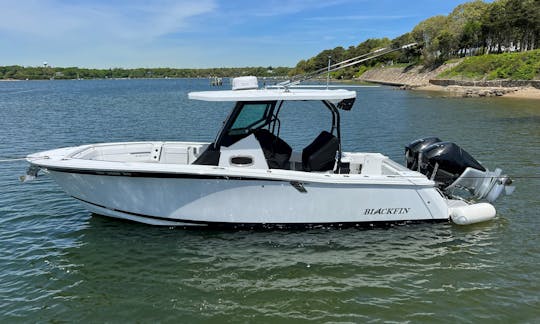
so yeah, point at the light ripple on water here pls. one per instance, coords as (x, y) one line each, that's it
(59, 263)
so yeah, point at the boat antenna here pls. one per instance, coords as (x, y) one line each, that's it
(328, 73)
(341, 65)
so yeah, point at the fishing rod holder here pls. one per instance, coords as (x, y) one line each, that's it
(341, 65)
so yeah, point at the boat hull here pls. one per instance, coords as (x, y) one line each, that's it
(201, 200)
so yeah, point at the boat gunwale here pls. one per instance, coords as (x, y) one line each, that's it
(61, 160)
(264, 175)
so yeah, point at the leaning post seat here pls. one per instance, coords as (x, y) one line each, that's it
(276, 151)
(320, 155)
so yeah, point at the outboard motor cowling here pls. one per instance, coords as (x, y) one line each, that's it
(413, 149)
(454, 170)
(444, 162)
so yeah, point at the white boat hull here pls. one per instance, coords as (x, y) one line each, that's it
(194, 199)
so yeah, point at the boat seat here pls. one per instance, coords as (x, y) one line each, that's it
(320, 155)
(276, 151)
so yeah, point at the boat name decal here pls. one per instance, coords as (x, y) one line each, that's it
(386, 211)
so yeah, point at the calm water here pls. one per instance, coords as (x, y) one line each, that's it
(60, 263)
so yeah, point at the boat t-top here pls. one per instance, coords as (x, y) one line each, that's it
(249, 176)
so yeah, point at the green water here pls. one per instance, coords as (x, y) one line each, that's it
(59, 263)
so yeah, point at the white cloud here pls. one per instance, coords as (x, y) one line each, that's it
(181, 33)
(135, 20)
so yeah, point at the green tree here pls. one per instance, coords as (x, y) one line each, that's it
(427, 34)
(464, 25)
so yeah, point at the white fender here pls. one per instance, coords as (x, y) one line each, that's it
(472, 214)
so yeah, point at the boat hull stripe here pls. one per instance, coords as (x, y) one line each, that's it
(160, 175)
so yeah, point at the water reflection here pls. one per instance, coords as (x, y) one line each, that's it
(271, 273)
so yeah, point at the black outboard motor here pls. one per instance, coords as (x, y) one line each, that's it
(455, 171)
(444, 162)
(413, 149)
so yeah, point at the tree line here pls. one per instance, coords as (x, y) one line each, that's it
(472, 28)
(46, 72)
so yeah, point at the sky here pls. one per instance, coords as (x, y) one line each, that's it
(197, 34)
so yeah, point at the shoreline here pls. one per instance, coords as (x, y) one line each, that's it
(418, 80)
(474, 92)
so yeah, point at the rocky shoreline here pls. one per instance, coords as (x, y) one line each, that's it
(470, 92)
(416, 78)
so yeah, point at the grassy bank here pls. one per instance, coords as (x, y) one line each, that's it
(511, 66)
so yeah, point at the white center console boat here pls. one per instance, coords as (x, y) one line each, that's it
(249, 176)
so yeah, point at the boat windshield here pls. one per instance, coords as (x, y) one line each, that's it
(253, 115)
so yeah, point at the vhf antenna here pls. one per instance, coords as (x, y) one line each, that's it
(328, 73)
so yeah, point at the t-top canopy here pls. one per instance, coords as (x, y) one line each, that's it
(273, 94)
